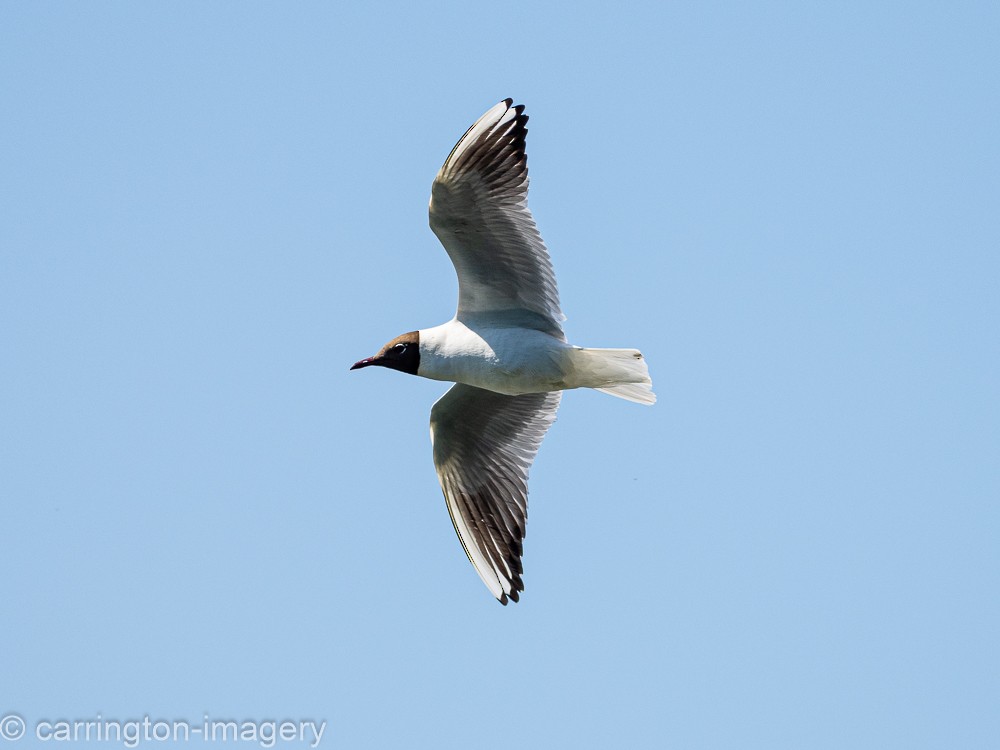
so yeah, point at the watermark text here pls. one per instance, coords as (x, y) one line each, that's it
(131, 733)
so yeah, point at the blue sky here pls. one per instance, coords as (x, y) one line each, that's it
(211, 210)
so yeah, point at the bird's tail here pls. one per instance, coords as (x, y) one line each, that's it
(619, 372)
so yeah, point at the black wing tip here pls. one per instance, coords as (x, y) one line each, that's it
(515, 593)
(519, 109)
(490, 152)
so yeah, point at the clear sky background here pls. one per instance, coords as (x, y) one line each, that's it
(209, 211)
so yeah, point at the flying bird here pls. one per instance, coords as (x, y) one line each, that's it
(505, 349)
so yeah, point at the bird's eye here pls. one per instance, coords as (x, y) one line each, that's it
(399, 348)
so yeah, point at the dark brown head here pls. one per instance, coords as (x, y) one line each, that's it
(402, 353)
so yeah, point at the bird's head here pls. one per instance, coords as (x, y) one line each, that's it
(402, 353)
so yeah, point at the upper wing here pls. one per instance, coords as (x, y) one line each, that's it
(479, 211)
(484, 443)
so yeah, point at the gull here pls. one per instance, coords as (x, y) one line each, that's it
(505, 349)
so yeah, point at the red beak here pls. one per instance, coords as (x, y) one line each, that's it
(363, 363)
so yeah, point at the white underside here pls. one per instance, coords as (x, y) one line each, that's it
(514, 361)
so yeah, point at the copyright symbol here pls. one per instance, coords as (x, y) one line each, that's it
(12, 727)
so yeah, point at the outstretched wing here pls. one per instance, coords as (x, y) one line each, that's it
(484, 443)
(479, 211)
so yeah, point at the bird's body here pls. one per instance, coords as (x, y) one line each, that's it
(505, 348)
(515, 360)
(512, 361)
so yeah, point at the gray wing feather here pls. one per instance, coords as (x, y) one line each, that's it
(484, 444)
(479, 211)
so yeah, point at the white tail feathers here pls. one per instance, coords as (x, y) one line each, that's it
(640, 393)
(618, 372)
